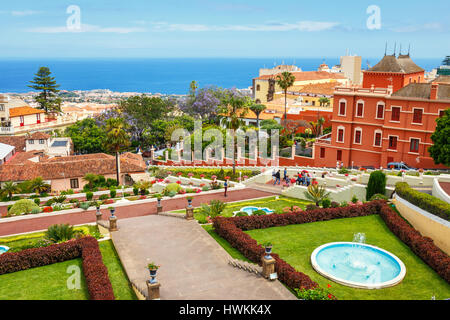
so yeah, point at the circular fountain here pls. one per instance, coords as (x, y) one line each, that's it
(358, 265)
(3, 249)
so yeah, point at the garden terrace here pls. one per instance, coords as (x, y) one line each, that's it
(295, 235)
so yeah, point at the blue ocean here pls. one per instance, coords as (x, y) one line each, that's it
(166, 76)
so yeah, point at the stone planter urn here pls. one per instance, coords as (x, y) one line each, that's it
(189, 199)
(112, 210)
(268, 250)
(98, 214)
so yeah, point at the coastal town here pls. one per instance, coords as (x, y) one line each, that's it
(329, 182)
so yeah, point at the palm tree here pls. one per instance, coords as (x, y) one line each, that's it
(91, 178)
(285, 81)
(116, 139)
(39, 186)
(257, 110)
(316, 193)
(234, 106)
(324, 101)
(9, 188)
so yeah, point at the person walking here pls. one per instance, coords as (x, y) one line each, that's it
(285, 174)
(308, 180)
(277, 177)
(225, 185)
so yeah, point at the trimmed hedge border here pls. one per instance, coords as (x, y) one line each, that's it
(232, 230)
(424, 201)
(86, 248)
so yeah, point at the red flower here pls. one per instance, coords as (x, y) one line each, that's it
(48, 209)
(330, 296)
(179, 173)
(227, 178)
(202, 175)
(179, 182)
(328, 285)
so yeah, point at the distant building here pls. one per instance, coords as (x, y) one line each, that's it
(389, 119)
(279, 69)
(6, 152)
(265, 88)
(64, 173)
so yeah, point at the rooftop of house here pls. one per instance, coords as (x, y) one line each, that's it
(24, 111)
(38, 135)
(326, 88)
(5, 149)
(441, 79)
(24, 166)
(402, 64)
(423, 91)
(307, 76)
(17, 141)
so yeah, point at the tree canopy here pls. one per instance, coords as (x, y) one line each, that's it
(440, 150)
(48, 99)
(87, 136)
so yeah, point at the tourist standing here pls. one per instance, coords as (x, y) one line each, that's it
(225, 185)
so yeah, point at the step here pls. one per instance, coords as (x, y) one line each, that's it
(245, 266)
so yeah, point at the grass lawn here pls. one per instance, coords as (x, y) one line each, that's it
(295, 244)
(270, 202)
(117, 276)
(43, 283)
(49, 282)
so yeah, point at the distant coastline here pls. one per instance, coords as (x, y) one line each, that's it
(169, 76)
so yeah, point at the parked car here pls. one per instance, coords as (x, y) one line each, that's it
(399, 166)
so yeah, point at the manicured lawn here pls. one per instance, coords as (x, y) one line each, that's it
(270, 202)
(49, 282)
(117, 276)
(234, 253)
(43, 283)
(295, 244)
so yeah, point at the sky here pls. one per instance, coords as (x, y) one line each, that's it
(218, 28)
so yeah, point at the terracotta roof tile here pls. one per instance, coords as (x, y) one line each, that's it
(23, 111)
(307, 76)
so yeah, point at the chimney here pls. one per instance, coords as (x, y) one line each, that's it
(434, 91)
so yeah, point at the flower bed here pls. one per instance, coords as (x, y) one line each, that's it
(424, 201)
(232, 230)
(95, 272)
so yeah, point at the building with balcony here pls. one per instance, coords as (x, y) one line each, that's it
(372, 125)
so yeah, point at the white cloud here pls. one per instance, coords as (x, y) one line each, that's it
(432, 26)
(85, 28)
(307, 26)
(24, 13)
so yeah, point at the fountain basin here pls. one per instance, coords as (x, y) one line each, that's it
(250, 210)
(358, 265)
(3, 249)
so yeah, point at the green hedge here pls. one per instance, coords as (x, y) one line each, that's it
(424, 201)
(160, 173)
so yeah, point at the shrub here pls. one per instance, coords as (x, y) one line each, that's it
(334, 204)
(112, 192)
(344, 204)
(242, 214)
(424, 201)
(111, 182)
(214, 209)
(310, 207)
(59, 199)
(89, 196)
(22, 206)
(259, 213)
(85, 205)
(36, 210)
(95, 272)
(37, 201)
(354, 199)
(59, 233)
(202, 219)
(314, 294)
(172, 187)
(135, 191)
(172, 194)
(343, 171)
(103, 197)
(376, 184)
(378, 197)
(49, 202)
(326, 203)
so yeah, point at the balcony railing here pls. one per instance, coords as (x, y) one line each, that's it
(326, 139)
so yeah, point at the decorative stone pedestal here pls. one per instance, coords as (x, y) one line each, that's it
(159, 209)
(98, 216)
(268, 267)
(189, 213)
(153, 290)
(112, 224)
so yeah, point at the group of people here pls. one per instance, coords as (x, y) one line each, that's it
(303, 178)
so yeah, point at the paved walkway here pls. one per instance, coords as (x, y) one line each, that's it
(42, 222)
(445, 186)
(193, 265)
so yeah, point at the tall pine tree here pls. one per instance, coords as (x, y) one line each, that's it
(48, 99)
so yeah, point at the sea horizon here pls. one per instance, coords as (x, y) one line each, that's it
(156, 75)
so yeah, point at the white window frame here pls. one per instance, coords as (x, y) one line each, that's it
(339, 108)
(389, 138)
(375, 138)
(417, 123)
(392, 112)
(409, 147)
(356, 111)
(30, 141)
(343, 134)
(376, 110)
(360, 137)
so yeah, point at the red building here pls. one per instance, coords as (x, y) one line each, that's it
(389, 119)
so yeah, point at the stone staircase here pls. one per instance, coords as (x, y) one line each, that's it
(267, 187)
(173, 215)
(245, 266)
